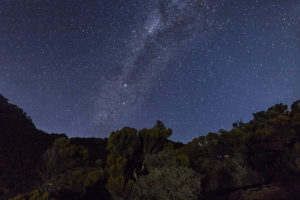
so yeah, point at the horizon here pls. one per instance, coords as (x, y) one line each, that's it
(88, 68)
(139, 129)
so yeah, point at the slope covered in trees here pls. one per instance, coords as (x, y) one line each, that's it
(21, 147)
(255, 160)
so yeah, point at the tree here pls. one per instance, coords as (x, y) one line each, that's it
(127, 149)
(155, 139)
(117, 185)
(65, 169)
(295, 115)
(166, 158)
(124, 143)
(177, 183)
(122, 147)
(168, 178)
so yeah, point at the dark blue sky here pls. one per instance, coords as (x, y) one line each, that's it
(88, 67)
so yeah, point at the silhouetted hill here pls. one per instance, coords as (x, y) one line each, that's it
(21, 148)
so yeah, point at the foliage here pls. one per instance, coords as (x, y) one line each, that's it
(167, 179)
(124, 142)
(261, 151)
(155, 139)
(21, 150)
(127, 149)
(117, 185)
(122, 145)
(168, 183)
(259, 159)
(166, 158)
(34, 195)
(65, 169)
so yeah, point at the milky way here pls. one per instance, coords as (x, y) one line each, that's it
(172, 22)
(88, 67)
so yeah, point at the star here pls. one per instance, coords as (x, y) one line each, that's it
(82, 68)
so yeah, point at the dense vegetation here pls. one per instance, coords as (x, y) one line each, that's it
(255, 160)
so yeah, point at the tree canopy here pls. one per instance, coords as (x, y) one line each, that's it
(259, 159)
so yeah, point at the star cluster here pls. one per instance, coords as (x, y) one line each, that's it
(89, 67)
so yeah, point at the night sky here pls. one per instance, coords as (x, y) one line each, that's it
(88, 67)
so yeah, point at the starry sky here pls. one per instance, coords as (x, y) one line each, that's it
(88, 67)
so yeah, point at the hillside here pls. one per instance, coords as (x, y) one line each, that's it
(255, 160)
